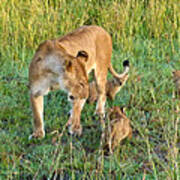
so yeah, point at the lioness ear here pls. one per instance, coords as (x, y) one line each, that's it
(83, 55)
(68, 65)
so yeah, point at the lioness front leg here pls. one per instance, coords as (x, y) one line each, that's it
(37, 108)
(74, 120)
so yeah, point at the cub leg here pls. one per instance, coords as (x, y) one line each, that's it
(37, 108)
(74, 120)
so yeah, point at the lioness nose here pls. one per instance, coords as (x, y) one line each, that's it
(38, 93)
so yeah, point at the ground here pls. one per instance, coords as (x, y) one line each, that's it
(151, 105)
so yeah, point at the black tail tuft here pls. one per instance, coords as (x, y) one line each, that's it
(125, 63)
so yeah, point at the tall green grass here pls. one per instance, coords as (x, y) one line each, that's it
(145, 31)
(24, 24)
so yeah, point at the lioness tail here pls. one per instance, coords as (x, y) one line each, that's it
(126, 70)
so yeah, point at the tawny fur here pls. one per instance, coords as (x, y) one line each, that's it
(176, 78)
(119, 128)
(65, 63)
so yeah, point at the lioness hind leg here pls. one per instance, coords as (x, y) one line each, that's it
(92, 92)
(101, 88)
(37, 108)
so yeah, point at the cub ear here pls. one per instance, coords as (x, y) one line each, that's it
(83, 55)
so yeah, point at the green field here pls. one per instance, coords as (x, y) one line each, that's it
(147, 32)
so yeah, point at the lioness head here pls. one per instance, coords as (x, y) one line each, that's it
(52, 66)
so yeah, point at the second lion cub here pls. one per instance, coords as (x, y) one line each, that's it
(118, 129)
(113, 86)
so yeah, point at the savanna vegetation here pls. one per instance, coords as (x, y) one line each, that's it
(147, 32)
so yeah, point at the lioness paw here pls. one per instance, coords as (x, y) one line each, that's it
(37, 134)
(75, 129)
(100, 114)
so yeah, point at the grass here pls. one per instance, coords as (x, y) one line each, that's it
(146, 32)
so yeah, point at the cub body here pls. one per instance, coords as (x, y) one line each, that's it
(119, 128)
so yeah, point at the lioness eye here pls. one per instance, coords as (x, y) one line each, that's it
(81, 84)
(38, 59)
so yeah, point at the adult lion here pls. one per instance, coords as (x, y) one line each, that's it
(65, 63)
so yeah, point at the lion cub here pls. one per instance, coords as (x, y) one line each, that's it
(113, 86)
(118, 129)
(176, 78)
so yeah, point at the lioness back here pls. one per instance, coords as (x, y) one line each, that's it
(92, 39)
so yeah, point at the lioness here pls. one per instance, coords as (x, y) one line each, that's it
(119, 128)
(113, 86)
(66, 63)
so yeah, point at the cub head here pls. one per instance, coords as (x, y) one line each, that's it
(52, 66)
(115, 112)
(176, 75)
